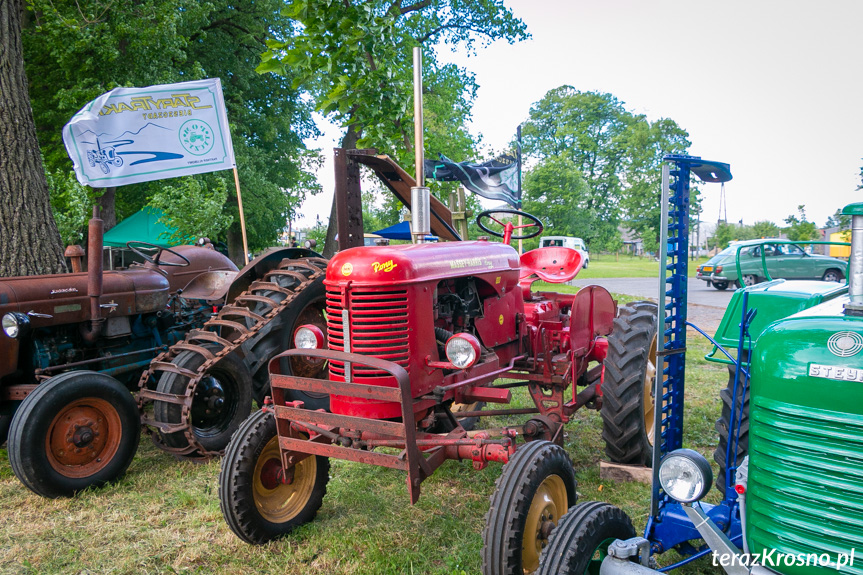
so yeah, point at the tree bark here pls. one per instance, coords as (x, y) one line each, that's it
(331, 246)
(107, 211)
(30, 241)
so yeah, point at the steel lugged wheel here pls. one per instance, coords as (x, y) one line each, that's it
(255, 501)
(76, 430)
(627, 390)
(307, 308)
(222, 400)
(580, 541)
(723, 424)
(535, 489)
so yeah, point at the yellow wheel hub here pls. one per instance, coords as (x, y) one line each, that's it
(647, 403)
(548, 504)
(278, 501)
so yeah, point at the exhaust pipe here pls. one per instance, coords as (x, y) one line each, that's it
(96, 230)
(420, 208)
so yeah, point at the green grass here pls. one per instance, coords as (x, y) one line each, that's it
(625, 266)
(164, 516)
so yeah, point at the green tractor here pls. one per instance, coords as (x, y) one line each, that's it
(790, 455)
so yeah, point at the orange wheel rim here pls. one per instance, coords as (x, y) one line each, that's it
(84, 437)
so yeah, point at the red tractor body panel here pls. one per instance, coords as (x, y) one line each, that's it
(388, 293)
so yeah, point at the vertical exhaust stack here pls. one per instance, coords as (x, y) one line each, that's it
(420, 208)
(96, 230)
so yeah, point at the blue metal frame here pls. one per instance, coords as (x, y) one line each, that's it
(668, 526)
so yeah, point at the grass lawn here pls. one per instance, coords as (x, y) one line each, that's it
(623, 266)
(164, 516)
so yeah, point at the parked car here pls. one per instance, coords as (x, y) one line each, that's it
(567, 242)
(783, 260)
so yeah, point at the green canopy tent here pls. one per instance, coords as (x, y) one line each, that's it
(143, 226)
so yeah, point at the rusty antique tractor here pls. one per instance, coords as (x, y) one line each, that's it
(75, 344)
(414, 336)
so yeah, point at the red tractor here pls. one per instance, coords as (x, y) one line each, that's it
(414, 334)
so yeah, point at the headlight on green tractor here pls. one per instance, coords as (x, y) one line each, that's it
(685, 475)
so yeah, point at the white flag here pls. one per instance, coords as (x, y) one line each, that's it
(132, 135)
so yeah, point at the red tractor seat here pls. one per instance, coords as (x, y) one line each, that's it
(552, 264)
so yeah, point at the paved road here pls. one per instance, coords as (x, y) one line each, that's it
(706, 304)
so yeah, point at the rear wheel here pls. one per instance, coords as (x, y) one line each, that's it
(222, 399)
(721, 286)
(627, 390)
(723, 425)
(832, 275)
(536, 488)
(258, 500)
(77, 430)
(580, 541)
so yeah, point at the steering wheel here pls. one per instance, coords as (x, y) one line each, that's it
(155, 260)
(508, 227)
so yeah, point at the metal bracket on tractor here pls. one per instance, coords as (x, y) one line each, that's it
(352, 438)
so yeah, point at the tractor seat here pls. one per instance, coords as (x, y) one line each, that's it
(552, 264)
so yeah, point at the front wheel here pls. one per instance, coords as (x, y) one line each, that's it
(259, 500)
(721, 286)
(627, 391)
(536, 488)
(581, 539)
(750, 280)
(832, 275)
(77, 430)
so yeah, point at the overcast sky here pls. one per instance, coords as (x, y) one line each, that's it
(773, 88)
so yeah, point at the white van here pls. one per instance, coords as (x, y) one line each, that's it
(567, 242)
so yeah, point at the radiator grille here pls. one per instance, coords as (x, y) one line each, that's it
(378, 327)
(805, 480)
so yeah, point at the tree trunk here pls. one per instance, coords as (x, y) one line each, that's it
(29, 238)
(331, 246)
(235, 245)
(106, 205)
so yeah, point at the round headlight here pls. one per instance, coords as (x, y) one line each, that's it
(308, 337)
(685, 475)
(462, 350)
(14, 324)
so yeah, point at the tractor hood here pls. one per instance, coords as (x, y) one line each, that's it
(409, 263)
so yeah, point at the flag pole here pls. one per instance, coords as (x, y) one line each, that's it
(242, 217)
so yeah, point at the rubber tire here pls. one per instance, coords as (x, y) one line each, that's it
(721, 286)
(578, 536)
(623, 425)
(236, 497)
(750, 280)
(164, 412)
(586, 262)
(514, 491)
(30, 426)
(313, 294)
(835, 273)
(723, 425)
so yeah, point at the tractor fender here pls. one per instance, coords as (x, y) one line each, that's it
(258, 267)
(593, 313)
